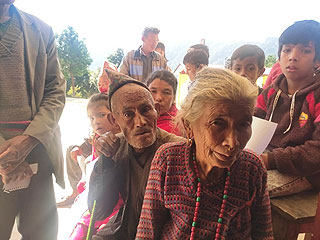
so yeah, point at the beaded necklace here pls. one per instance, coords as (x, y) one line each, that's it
(198, 194)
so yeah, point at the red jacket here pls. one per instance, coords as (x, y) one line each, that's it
(166, 121)
(295, 146)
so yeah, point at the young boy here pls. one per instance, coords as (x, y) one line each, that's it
(194, 61)
(293, 101)
(248, 61)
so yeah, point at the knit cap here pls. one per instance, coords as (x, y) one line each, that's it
(118, 80)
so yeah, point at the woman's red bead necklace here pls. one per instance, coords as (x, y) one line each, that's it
(198, 195)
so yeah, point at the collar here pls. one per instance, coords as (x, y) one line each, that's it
(24, 17)
(139, 53)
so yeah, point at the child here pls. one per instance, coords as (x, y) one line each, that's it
(194, 61)
(248, 62)
(103, 81)
(163, 87)
(74, 166)
(293, 101)
(98, 113)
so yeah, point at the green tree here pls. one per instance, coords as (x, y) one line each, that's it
(116, 57)
(270, 60)
(74, 58)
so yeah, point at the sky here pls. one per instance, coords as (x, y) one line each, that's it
(106, 25)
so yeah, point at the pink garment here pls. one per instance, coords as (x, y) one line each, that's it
(166, 121)
(81, 229)
(274, 73)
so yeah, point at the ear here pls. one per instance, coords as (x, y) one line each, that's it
(157, 107)
(112, 121)
(261, 71)
(143, 39)
(188, 128)
(200, 67)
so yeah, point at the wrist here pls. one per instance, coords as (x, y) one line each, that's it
(32, 141)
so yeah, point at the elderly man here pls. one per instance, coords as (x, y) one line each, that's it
(32, 97)
(126, 173)
(138, 64)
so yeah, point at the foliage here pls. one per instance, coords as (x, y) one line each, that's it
(116, 57)
(270, 60)
(76, 93)
(75, 60)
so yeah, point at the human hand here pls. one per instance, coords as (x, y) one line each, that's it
(75, 153)
(265, 160)
(107, 144)
(21, 172)
(14, 151)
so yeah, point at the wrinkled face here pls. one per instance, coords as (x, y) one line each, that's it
(150, 42)
(248, 67)
(162, 93)
(297, 61)
(191, 71)
(133, 110)
(221, 133)
(98, 115)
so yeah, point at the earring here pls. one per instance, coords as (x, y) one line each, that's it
(189, 142)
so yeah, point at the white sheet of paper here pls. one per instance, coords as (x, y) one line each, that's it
(262, 132)
(20, 184)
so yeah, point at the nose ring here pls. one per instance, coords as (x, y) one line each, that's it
(230, 149)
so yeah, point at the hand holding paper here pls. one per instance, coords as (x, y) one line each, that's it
(20, 183)
(262, 132)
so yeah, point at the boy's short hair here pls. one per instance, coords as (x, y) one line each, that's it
(148, 30)
(249, 50)
(200, 46)
(104, 97)
(302, 32)
(196, 57)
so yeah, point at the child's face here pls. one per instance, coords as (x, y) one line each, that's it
(191, 71)
(98, 115)
(248, 67)
(162, 93)
(297, 61)
(103, 83)
(161, 51)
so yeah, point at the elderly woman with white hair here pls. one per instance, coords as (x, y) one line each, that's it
(209, 187)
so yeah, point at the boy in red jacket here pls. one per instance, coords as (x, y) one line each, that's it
(293, 101)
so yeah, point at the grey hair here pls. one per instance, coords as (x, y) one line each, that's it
(214, 86)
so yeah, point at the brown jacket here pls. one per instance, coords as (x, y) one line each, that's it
(47, 93)
(116, 178)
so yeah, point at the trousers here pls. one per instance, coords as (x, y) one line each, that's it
(34, 208)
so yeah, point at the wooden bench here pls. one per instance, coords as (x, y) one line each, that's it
(295, 214)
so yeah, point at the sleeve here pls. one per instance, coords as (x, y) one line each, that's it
(124, 68)
(154, 213)
(106, 181)
(302, 160)
(261, 208)
(45, 121)
(260, 109)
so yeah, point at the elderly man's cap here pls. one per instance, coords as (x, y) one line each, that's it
(118, 80)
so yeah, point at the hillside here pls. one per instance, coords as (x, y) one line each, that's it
(218, 51)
